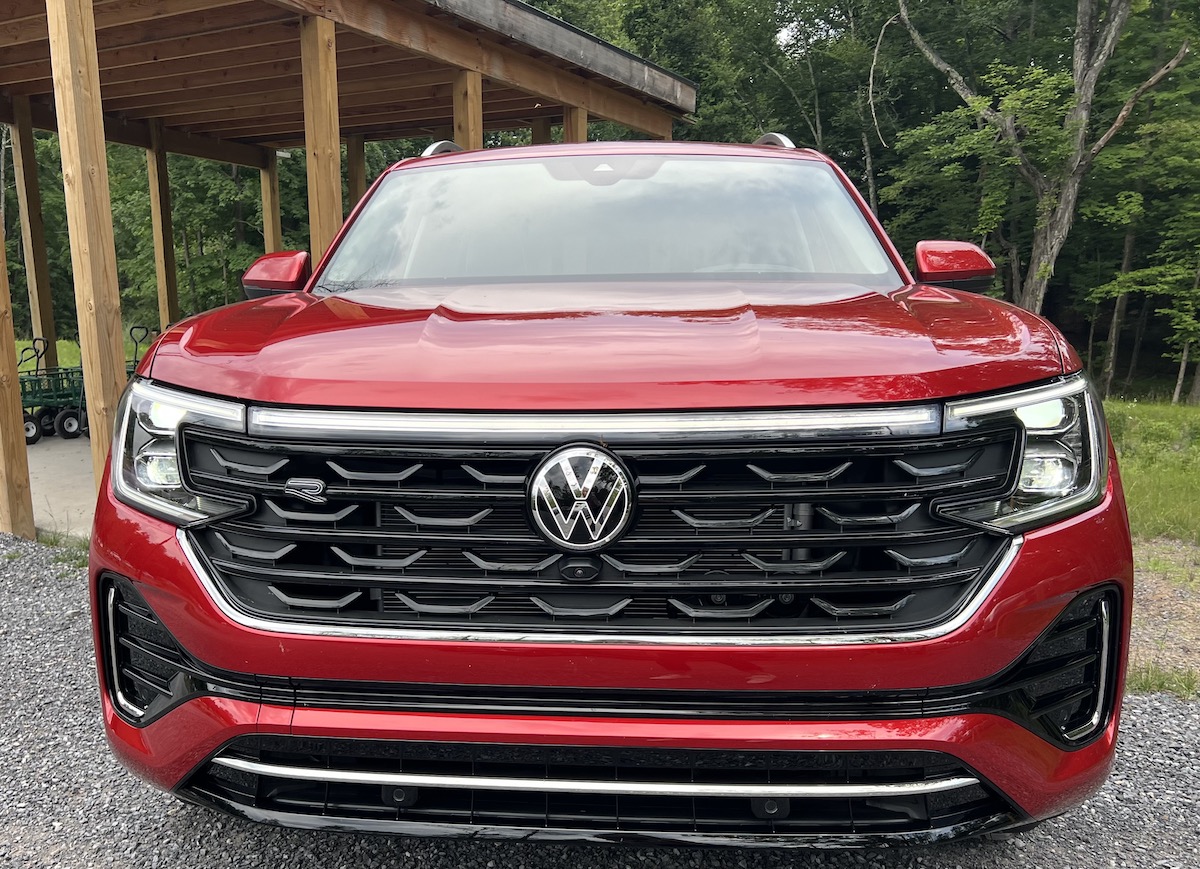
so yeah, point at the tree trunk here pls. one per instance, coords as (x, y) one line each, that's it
(1092, 335)
(1182, 370)
(187, 265)
(1194, 395)
(872, 192)
(1110, 352)
(239, 218)
(1056, 210)
(1138, 336)
(1118, 320)
(4, 137)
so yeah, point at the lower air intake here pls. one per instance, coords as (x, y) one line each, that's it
(485, 789)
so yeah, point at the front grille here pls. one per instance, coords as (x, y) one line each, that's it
(774, 537)
(637, 791)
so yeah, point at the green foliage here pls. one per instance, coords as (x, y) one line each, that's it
(1153, 678)
(1159, 450)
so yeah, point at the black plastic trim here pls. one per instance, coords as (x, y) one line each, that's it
(997, 695)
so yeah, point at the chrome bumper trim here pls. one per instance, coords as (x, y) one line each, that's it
(581, 786)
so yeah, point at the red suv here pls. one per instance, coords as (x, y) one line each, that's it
(625, 492)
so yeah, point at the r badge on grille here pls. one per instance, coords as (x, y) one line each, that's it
(581, 498)
(306, 489)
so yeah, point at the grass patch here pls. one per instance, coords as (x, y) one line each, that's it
(1159, 449)
(71, 551)
(1152, 678)
(69, 355)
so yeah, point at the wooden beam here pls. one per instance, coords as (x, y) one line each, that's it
(399, 26)
(137, 134)
(383, 90)
(418, 124)
(366, 80)
(575, 124)
(272, 225)
(89, 216)
(108, 14)
(356, 170)
(526, 25)
(540, 132)
(194, 80)
(432, 112)
(265, 27)
(16, 502)
(468, 110)
(167, 69)
(33, 230)
(162, 228)
(322, 136)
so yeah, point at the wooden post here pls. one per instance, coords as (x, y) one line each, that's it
(468, 109)
(16, 502)
(272, 225)
(575, 124)
(72, 30)
(540, 132)
(33, 230)
(162, 228)
(356, 169)
(322, 138)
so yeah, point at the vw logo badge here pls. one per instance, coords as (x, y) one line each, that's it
(581, 498)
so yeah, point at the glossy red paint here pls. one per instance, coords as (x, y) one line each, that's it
(1052, 566)
(285, 271)
(952, 261)
(635, 347)
(1042, 780)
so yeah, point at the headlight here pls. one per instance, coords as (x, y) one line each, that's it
(146, 469)
(1064, 460)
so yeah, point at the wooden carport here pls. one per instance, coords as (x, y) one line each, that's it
(235, 80)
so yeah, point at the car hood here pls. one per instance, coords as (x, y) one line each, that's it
(609, 347)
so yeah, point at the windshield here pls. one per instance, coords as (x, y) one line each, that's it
(608, 217)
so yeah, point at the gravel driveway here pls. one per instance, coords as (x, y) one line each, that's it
(65, 802)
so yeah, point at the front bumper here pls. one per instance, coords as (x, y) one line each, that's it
(1025, 776)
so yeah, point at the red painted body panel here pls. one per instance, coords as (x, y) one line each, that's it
(1042, 780)
(1038, 777)
(285, 271)
(646, 347)
(952, 261)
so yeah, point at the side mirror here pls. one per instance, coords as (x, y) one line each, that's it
(284, 272)
(957, 265)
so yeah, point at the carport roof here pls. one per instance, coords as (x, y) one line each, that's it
(222, 75)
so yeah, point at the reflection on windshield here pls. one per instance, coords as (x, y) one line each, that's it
(606, 217)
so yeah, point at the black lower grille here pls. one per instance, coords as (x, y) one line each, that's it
(772, 538)
(1063, 688)
(521, 786)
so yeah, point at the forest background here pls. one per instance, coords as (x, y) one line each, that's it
(1063, 137)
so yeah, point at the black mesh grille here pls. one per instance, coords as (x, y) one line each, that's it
(816, 537)
(518, 807)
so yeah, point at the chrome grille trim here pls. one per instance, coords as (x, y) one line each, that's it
(586, 786)
(391, 427)
(677, 639)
